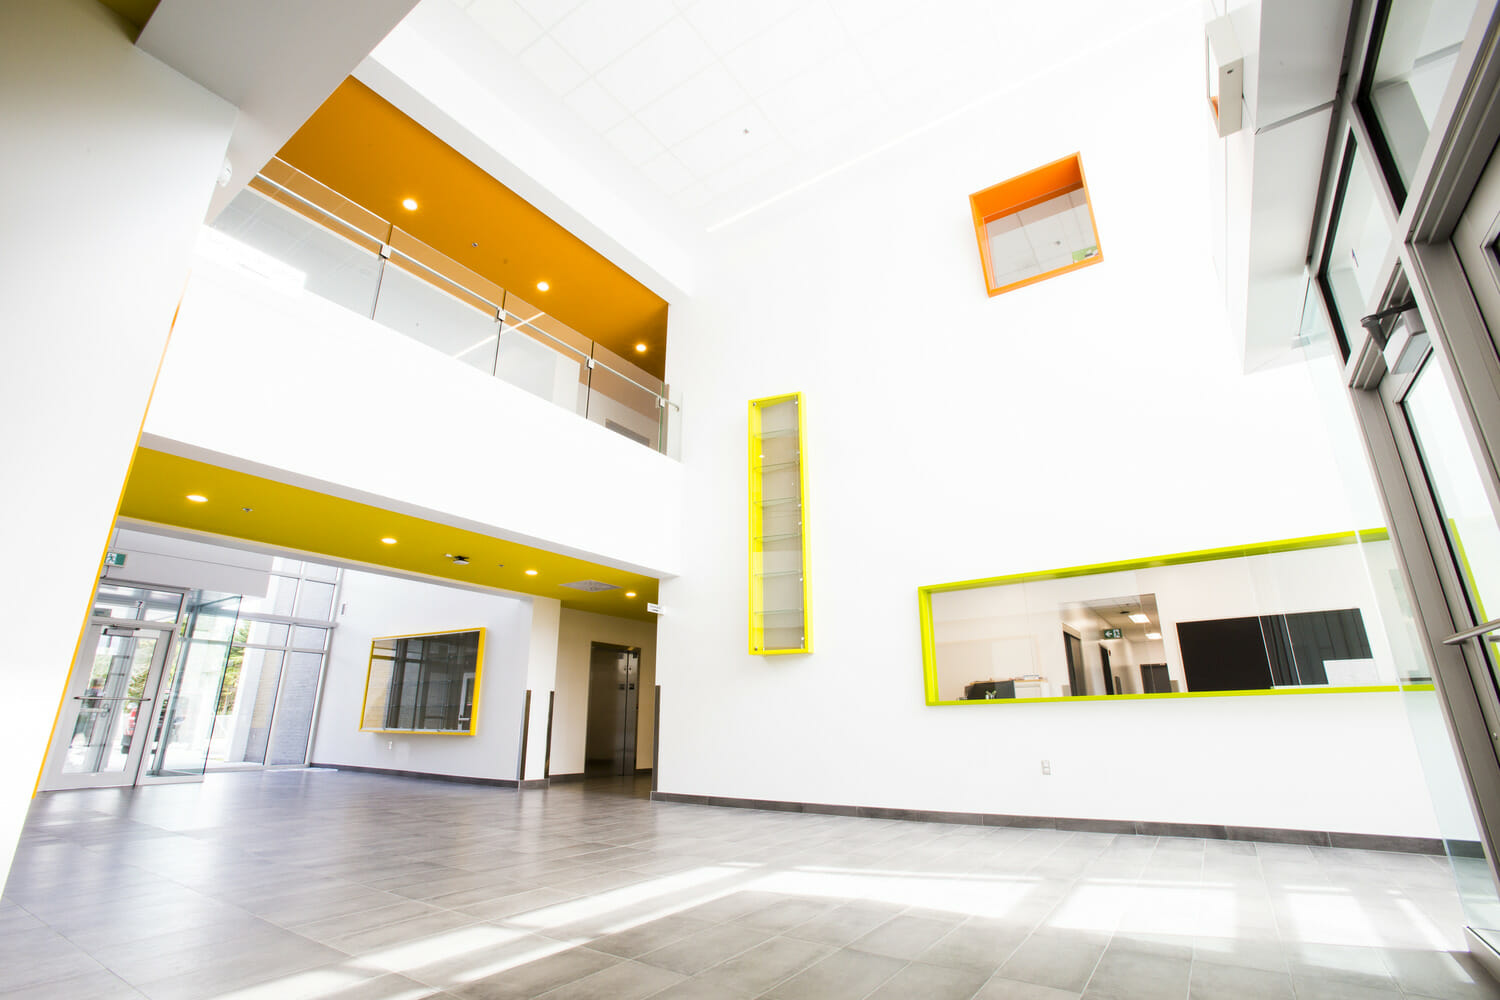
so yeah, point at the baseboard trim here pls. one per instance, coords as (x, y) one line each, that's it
(458, 778)
(641, 772)
(1208, 831)
(559, 779)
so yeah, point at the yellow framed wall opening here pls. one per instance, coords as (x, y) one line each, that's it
(780, 594)
(1295, 616)
(424, 683)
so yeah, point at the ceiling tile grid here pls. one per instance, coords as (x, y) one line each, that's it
(713, 98)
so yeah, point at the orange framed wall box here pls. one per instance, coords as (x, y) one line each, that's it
(1035, 226)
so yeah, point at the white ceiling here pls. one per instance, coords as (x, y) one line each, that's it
(724, 104)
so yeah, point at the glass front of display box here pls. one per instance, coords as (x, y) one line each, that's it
(427, 683)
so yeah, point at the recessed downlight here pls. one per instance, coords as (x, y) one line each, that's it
(388, 540)
(531, 572)
(197, 498)
(629, 593)
(542, 286)
(410, 204)
(640, 348)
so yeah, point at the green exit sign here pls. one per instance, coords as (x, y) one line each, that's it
(1113, 633)
(114, 559)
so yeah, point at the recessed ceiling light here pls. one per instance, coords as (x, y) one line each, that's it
(1153, 635)
(197, 498)
(542, 286)
(640, 348)
(531, 572)
(388, 540)
(410, 204)
(629, 593)
(1140, 619)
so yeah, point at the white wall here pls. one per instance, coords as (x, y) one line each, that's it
(579, 630)
(187, 563)
(324, 380)
(1092, 417)
(373, 605)
(109, 161)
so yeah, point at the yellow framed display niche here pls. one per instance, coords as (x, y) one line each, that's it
(780, 593)
(929, 643)
(386, 652)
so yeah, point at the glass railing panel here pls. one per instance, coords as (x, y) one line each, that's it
(543, 368)
(625, 398)
(286, 247)
(448, 274)
(411, 305)
(320, 202)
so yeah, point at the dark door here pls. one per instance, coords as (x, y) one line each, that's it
(1109, 677)
(1074, 647)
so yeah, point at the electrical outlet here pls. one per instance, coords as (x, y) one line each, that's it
(390, 744)
(1046, 767)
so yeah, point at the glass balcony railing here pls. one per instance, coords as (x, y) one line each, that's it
(294, 231)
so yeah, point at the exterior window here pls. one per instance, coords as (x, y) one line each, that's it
(1414, 59)
(1035, 226)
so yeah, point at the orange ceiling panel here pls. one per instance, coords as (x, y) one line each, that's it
(361, 146)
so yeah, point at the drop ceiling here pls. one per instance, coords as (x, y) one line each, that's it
(724, 104)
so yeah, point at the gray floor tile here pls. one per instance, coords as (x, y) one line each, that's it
(904, 937)
(978, 944)
(844, 975)
(765, 965)
(624, 981)
(1310, 988)
(1057, 959)
(648, 936)
(1232, 982)
(706, 948)
(930, 982)
(1011, 989)
(1134, 975)
(845, 923)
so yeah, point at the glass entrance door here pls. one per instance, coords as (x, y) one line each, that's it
(99, 737)
(181, 734)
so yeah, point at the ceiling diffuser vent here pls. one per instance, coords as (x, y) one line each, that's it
(592, 586)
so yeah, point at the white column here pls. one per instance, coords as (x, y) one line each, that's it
(110, 160)
(541, 679)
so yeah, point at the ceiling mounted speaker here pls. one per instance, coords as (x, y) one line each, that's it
(1224, 67)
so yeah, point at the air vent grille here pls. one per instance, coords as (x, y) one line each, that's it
(592, 586)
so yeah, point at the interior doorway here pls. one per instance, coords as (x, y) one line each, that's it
(614, 700)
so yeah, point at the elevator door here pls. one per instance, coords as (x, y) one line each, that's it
(614, 682)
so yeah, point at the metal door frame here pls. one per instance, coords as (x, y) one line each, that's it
(53, 778)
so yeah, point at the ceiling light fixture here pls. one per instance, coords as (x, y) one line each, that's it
(629, 593)
(1153, 635)
(410, 204)
(640, 348)
(1140, 619)
(542, 286)
(197, 498)
(531, 572)
(388, 540)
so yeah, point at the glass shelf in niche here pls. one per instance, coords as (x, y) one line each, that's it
(779, 501)
(776, 432)
(779, 572)
(779, 536)
(783, 613)
(776, 466)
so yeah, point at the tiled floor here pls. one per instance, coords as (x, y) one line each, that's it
(303, 885)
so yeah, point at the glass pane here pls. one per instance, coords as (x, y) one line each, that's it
(246, 697)
(279, 600)
(294, 709)
(551, 372)
(189, 701)
(307, 637)
(1054, 234)
(317, 571)
(261, 633)
(107, 711)
(1360, 240)
(1418, 50)
(136, 603)
(1473, 535)
(276, 242)
(315, 600)
(422, 311)
(291, 567)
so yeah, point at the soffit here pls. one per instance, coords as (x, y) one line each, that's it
(724, 104)
(362, 147)
(291, 517)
